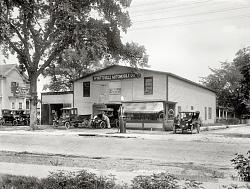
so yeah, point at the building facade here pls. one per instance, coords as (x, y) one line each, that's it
(53, 102)
(14, 88)
(146, 96)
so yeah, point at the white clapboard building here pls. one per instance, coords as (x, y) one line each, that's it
(149, 98)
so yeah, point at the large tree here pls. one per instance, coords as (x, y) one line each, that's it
(226, 82)
(38, 32)
(242, 62)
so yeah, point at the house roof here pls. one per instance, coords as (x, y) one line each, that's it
(167, 73)
(5, 69)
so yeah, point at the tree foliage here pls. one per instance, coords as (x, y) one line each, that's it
(72, 64)
(227, 81)
(242, 62)
(39, 31)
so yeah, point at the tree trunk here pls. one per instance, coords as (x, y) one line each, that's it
(33, 102)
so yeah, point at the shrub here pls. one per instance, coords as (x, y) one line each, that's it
(242, 165)
(20, 182)
(163, 181)
(77, 180)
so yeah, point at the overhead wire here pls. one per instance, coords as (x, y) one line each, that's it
(190, 23)
(189, 15)
(175, 8)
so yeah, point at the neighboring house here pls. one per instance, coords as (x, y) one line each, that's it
(147, 96)
(14, 88)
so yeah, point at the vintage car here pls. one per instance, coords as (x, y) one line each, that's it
(99, 122)
(21, 117)
(70, 118)
(187, 121)
(7, 117)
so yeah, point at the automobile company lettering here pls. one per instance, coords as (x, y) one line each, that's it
(116, 76)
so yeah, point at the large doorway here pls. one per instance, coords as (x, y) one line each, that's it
(116, 109)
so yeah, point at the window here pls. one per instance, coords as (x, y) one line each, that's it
(209, 113)
(13, 105)
(27, 104)
(20, 105)
(192, 108)
(86, 89)
(148, 85)
(179, 109)
(205, 113)
(14, 87)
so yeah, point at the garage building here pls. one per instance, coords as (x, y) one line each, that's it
(150, 98)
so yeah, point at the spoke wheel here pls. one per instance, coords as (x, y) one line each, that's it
(14, 123)
(174, 129)
(117, 123)
(102, 125)
(67, 125)
(198, 128)
(191, 129)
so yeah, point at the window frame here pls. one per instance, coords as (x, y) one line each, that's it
(151, 90)
(209, 112)
(86, 94)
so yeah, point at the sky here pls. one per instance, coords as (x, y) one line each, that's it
(187, 37)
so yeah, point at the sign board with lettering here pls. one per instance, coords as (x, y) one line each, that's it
(116, 76)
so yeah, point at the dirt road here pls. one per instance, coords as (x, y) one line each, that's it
(204, 157)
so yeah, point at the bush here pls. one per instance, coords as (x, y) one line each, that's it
(19, 182)
(77, 180)
(85, 180)
(163, 181)
(242, 165)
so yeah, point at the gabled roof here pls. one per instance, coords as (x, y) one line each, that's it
(5, 69)
(167, 73)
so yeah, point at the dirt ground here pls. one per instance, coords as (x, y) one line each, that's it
(204, 157)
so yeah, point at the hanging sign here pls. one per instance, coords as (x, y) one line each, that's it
(116, 76)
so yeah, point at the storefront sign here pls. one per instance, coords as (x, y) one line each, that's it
(116, 76)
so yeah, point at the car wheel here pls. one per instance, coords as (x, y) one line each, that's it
(117, 124)
(2, 122)
(191, 129)
(174, 129)
(198, 128)
(102, 125)
(67, 125)
(15, 123)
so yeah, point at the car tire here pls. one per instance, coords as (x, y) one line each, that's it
(2, 122)
(191, 129)
(67, 125)
(15, 123)
(198, 128)
(174, 129)
(102, 125)
(117, 124)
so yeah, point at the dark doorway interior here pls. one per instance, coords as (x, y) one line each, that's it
(116, 108)
(56, 108)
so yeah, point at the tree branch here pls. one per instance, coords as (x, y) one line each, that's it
(51, 58)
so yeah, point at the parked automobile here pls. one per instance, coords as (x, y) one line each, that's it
(7, 117)
(99, 122)
(21, 117)
(187, 121)
(70, 118)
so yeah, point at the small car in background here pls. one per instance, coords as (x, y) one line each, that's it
(187, 121)
(7, 117)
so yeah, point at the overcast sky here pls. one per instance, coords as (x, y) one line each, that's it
(186, 37)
